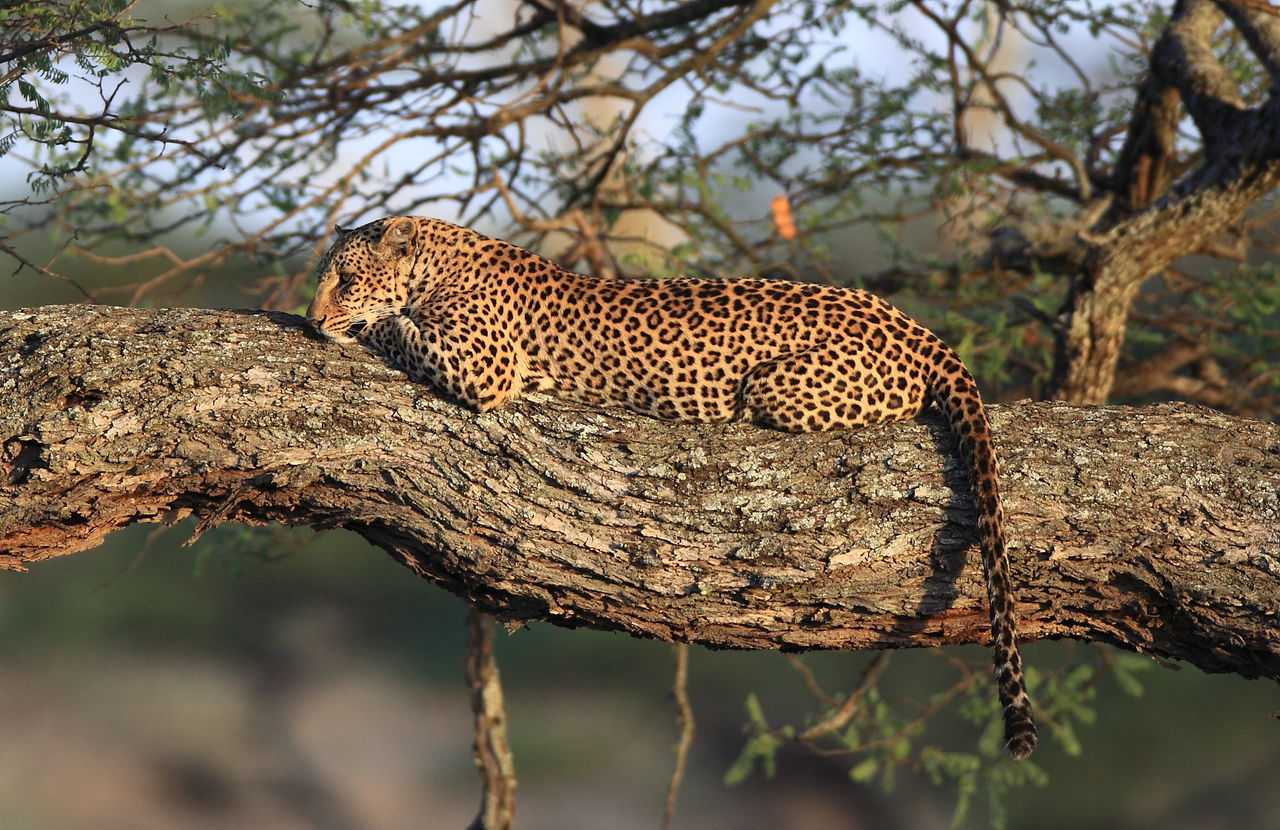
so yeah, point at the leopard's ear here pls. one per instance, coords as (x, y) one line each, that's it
(398, 236)
(341, 231)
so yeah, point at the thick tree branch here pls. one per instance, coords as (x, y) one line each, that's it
(1184, 57)
(1241, 167)
(1153, 529)
(1207, 203)
(1145, 167)
(1259, 23)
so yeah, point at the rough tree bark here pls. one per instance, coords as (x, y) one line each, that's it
(1153, 529)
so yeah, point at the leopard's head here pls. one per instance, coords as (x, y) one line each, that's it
(363, 277)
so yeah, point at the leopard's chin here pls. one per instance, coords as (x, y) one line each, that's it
(345, 335)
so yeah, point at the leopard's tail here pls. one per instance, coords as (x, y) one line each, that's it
(956, 394)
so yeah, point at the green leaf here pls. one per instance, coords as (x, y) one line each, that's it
(755, 713)
(864, 771)
(762, 749)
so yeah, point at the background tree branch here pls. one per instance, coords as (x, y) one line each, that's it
(1241, 166)
(1153, 529)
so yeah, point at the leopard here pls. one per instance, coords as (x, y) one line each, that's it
(485, 321)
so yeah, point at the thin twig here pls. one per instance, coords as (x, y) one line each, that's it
(685, 722)
(493, 754)
(810, 681)
(841, 717)
(23, 262)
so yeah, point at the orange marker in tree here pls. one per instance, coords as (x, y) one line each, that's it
(782, 217)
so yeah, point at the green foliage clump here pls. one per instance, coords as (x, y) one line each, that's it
(885, 737)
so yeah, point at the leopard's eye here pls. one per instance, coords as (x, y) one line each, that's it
(345, 278)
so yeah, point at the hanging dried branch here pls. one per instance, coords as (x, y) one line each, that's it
(489, 713)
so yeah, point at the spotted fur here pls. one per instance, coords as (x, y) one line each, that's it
(485, 321)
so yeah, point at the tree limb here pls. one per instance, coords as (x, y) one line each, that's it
(1184, 57)
(1241, 168)
(1259, 24)
(1153, 529)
